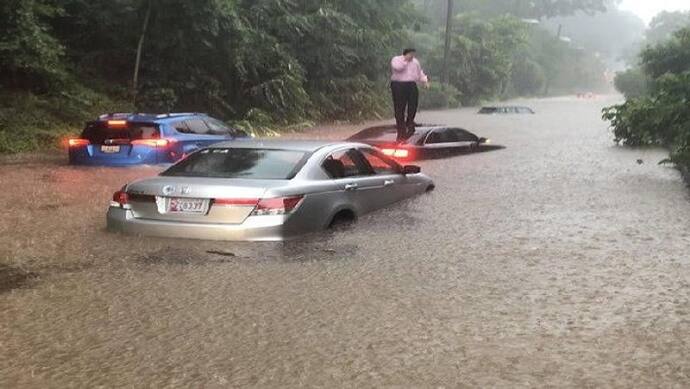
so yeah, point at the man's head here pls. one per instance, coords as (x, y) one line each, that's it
(409, 54)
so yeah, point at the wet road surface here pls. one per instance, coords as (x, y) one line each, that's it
(558, 261)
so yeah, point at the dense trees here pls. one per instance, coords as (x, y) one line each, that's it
(279, 61)
(537, 9)
(30, 56)
(481, 55)
(260, 62)
(665, 24)
(496, 54)
(660, 115)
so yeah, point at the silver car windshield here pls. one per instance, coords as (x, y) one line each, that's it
(260, 164)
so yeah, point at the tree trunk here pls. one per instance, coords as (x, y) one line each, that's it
(140, 46)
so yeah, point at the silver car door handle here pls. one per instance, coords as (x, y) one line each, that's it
(388, 182)
(351, 186)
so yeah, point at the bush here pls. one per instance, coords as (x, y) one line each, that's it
(439, 96)
(33, 122)
(632, 83)
(663, 118)
(356, 98)
(660, 116)
(528, 77)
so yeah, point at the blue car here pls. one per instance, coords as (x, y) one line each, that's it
(126, 139)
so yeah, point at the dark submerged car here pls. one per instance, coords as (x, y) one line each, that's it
(506, 110)
(427, 141)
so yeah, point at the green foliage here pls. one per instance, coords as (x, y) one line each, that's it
(528, 77)
(672, 56)
(660, 117)
(31, 122)
(264, 64)
(259, 123)
(493, 55)
(241, 60)
(633, 83)
(520, 8)
(481, 54)
(439, 96)
(30, 57)
(355, 98)
(665, 24)
(595, 32)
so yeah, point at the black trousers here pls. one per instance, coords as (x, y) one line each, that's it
(405, 97)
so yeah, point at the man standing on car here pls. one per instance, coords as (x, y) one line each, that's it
(406, 73)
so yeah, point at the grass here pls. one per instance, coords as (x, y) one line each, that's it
(30, 122)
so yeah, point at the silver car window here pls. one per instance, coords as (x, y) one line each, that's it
(379, 163)
(262, 164)
(464, 136)
(443, 135)
(343, 164)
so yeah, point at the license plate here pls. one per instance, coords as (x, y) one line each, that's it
(193, 206)
(110, 149)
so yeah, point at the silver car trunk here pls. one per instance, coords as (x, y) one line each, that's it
(150, 199)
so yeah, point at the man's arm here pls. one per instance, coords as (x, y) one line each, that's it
(398, 64)
(422, 77)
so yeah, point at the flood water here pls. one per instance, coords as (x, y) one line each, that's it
(561, 260)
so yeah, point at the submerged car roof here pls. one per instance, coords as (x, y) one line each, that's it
(504, 108)
(389, 132)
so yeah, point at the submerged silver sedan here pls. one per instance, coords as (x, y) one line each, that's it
(263, 190)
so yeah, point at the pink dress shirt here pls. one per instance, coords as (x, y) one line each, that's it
(404, 71)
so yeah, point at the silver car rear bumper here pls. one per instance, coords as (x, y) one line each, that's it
(254, 228)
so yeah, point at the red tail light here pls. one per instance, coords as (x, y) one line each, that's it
(78, 142)
(236, 202)
(396, 153)
(120, 199)
(278, 205)
(153, 142)
(117, 123)
(401, 153)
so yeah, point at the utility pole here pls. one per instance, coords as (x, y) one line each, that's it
(446, 49)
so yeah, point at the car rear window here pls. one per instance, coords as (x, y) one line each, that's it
(377, 133)
(261, 164)
(99, 132)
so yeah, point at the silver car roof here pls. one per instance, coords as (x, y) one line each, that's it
(279, 144)
(307, 146)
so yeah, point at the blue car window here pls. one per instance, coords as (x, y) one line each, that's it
(100, 132)
(197, 126)
(216, 127)
(182, 127)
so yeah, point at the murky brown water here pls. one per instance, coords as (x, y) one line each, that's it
(557, 261)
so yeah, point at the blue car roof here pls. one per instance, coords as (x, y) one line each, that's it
(149, 117)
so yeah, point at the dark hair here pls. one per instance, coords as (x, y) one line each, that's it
(407, 51)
